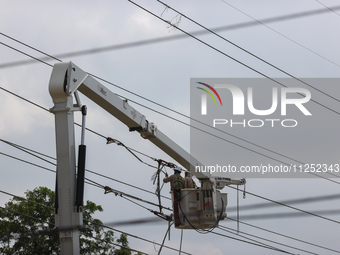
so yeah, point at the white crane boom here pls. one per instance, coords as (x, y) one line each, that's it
(66, 79)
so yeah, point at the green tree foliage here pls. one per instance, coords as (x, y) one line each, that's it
(24, 235)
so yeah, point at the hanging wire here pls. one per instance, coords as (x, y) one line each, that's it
(265, 239)
(166, 233)
(180, 246)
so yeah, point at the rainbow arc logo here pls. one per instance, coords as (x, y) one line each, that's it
(209, 93)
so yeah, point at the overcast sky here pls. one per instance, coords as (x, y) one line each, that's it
(305, 47)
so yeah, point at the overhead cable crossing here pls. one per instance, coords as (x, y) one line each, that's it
(226, 229)
(286, 236)
(289, 206)
(256, 244)
(25, 149)
(252, 54)
(264, 24)
(175, 37)
(228, 134)
(88, 181)
(285, 163)
(186, 117)
(225, 54)
(273, 201)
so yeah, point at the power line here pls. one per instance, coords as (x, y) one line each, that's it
(27, 162)
(267, 216)
(286, 236)
(207, 125)
(331, 9)
(184, 116)
(137, 237)
(93, 183)
(247, 67)
(102, 186)
(253, 243)
(280, 203)
(124, 247)
(291, 215)
(132, 222)
(138, 221)
(25, 149)
(194, 128)
(29, 101)
(265, 239)
(122, 194)
(232, 58)
(289, 206)
(262, 23)
(292, 201)
(37, 59)
(187, 125)
(171, 38)
(250, 53)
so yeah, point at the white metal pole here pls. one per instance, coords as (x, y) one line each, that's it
(66, 218)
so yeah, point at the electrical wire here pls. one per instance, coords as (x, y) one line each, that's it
(181, 115)
(215, 135)
(114, 223)
(166, 233)
(317, 175)
(332, 10)
(122, 194)
(279, 203)
(125, 232)
(225, 54)
(226, 229)
(253, 240)
(167, 38)
(289, 206)
(88, 181)
(180, 245)
(167, 115)
(124, 247)
(250, 53)
(250, 68)
(106, 137)
(263, 24)
(165, 246)
(291, 201)
(269, 216)
(22, 98)
(37, 59)
(27, 162)
(176, 120)
(253, 243)
(25, 149)
(286, 236)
